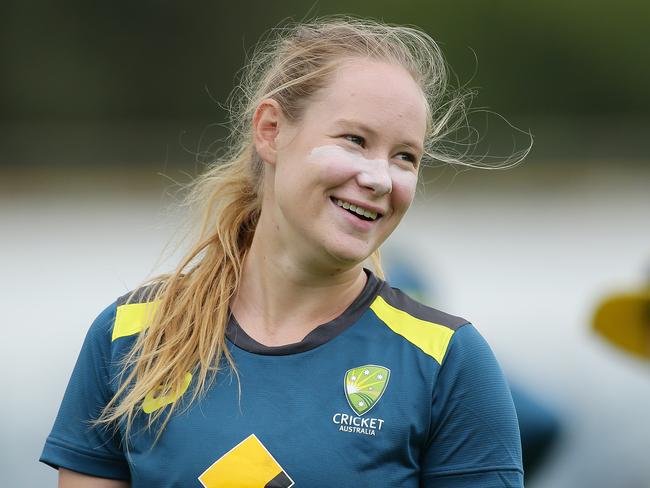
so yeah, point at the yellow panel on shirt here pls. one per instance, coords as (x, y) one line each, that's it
(133, 318)
(247, 465)
(433, 339)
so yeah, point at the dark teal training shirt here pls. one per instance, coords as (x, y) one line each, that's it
(390, 394)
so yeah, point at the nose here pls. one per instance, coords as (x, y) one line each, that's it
(376, 177)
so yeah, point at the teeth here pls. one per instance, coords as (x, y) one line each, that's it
(358, 210)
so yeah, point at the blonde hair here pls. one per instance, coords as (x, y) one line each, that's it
(187, 330)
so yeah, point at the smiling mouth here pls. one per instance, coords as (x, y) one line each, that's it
(357, 211)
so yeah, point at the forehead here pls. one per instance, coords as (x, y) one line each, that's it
(378, 94)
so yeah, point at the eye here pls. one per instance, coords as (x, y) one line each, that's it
(408, 157)
(358, 140)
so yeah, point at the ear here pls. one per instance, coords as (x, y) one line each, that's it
(267, 120)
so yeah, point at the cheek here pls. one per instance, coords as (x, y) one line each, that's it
(339, 165)
(333, 164)
(404, 186)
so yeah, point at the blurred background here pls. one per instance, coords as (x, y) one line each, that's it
(106, 106)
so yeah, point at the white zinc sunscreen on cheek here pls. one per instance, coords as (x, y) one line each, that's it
(375, 173)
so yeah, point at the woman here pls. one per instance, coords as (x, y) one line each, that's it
(271, 357)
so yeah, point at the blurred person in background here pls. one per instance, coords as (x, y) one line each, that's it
(271, 356)
(623, 319)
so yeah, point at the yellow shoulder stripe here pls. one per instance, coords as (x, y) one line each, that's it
(433, 339)
(132, 318)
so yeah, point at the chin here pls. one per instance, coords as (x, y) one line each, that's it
(350, 256)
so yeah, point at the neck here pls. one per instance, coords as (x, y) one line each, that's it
(280, 301)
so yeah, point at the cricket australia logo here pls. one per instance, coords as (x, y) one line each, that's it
(363, 387)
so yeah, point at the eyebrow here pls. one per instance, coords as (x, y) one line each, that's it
(366, 128)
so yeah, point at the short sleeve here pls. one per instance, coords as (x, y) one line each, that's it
(474, 436)
(74, 442)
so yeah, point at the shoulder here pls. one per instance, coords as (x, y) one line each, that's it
(398, 300)
(128, 315)
(112, 333)
(143, 294)
(134, 311)
(429, 329)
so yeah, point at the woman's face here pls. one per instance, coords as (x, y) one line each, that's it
(345, 174)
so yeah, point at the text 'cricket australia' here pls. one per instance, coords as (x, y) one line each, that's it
(357, 425)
